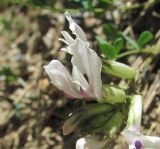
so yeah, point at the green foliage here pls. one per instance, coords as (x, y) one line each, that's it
(131, 42)
(91, 5)
(98, 6)
(8, 1)
(110, 31)
(144, 38)
(107, 49)
(8, 74)
(87, 4)
(31, 2)
(117, 40)
(42, 2)
(118, 44)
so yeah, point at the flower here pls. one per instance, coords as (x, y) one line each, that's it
(135, 139)
(85, 80)
(90, 142)
(138, 141)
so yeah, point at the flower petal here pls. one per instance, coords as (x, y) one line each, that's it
(80, 57)
(151, 142)
(147, 141)
(76, 29)
(135, 113)
(88, 62)
(60, 76)
(131, 136)
(95, 69)
(79, 79)
(67, 38)
(90, 142)
(67, 49)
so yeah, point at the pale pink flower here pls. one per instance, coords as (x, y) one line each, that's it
(85, 81)
(132, 133)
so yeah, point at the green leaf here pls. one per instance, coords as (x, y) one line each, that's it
(144, 38)
(118, 44)
(108, 50)
(130, 41)
(110, 31)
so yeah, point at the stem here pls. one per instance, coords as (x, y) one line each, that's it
(133, 52)
(133, 6)
(147, 4)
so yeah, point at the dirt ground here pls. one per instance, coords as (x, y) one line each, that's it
(32, 110)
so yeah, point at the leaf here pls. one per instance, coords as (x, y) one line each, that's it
(108, 50)
(110, 31)
(118, 44)
(144, 38)
(87, 4)
(130, 41)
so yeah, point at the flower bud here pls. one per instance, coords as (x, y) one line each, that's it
(112, 94)
(112, 125)
(119, 70)
(83, 114)
(94, 122)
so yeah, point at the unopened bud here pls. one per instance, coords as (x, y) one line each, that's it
(82, 114)
(112, 125)
(119, 70)
(112, 94)
(90, 124)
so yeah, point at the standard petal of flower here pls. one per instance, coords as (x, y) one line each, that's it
(76, 29)
(80, 57)
(88, 62)
(61, 78)
(95, 69)
(90, 142)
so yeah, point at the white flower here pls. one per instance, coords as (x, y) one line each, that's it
(132, 133)
(136, 140)
(90, 142)
(85, 80)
